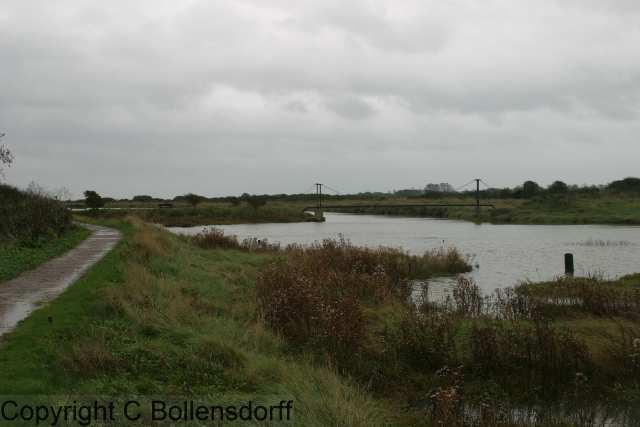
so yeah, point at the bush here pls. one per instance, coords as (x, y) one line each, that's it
(535, 351)
(30, 216)
(625, 185)
(318, 296)
(214, 238)
(93, 200)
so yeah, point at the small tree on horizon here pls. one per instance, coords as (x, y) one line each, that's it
(93, 200)
(558, 187)
(530, 189)
(6, 157)
(630, 184)
(193, 199)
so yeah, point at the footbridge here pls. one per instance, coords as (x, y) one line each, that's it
(320, 207)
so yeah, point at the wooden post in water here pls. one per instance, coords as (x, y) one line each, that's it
(568, 264)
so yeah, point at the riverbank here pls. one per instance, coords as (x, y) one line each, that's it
(617, 209)
(567, 208)
(208, 214)
(162, 316)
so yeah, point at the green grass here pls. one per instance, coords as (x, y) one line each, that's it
(571, 208)
(605, 208)
(212, 214)
(16, 257)
(160, 317)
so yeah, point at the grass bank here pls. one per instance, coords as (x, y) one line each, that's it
(604, 207)
(209, 214)
(159, 316)
(23, 255)
(607, 208)
(330, 327)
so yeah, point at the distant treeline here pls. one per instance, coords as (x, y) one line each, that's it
(527, 190)
(531, 189)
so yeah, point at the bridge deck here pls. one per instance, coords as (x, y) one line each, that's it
(413, 205)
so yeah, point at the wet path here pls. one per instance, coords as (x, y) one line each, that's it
(20, 296)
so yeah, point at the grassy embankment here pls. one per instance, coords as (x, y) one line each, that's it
(330, 327)
(33, 228)
(608, 208)
(210, 213)
(569, 208)
(159, 316)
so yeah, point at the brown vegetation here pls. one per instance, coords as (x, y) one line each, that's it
(214, 238)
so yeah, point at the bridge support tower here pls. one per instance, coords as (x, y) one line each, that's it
(319, 214)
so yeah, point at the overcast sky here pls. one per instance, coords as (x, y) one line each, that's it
(225, 97)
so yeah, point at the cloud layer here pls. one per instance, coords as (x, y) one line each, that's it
(222, 97)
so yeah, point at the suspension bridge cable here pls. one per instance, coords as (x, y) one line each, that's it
(462, 186)
(335, 191)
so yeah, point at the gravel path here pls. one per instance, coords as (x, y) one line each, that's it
(20, 296)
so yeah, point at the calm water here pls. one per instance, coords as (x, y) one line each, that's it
(503, 255)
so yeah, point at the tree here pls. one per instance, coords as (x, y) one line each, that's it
(36, 189)
(142, 198)
(6, 157)
(256, 202)
(443, 187)
(530, 189)
(235, 201)
(193, 199)
(624, 185)
(558, 187)
(62, 194)
(93, 200)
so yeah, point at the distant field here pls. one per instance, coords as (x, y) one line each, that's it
(570, 208)
(557, 209)
(207, 214)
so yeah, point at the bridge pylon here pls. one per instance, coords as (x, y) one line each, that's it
(319, 213)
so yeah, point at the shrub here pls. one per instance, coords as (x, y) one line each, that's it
(625, 185)
(530, 350)
(193, 199)
(30, 216)
(93, 200)
(318, 296)
(426, 342)
(214, 238)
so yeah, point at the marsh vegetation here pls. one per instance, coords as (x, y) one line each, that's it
(332, 326)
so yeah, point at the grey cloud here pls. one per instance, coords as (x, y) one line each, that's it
(219, 96)
(351, 107)
(295, 107)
